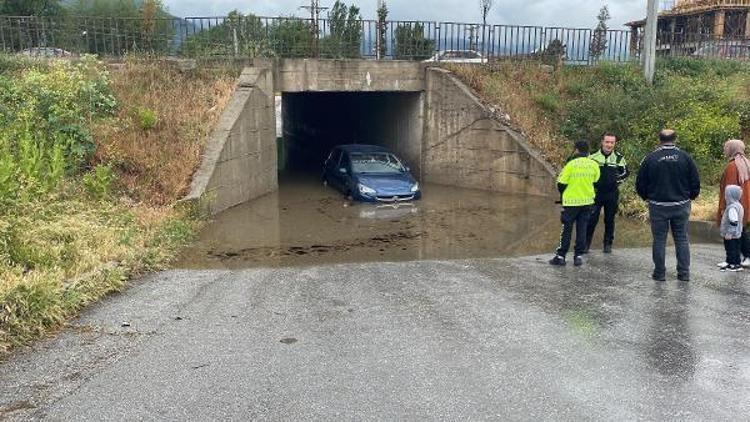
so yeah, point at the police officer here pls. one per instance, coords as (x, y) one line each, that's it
(576, 184)
(614, 170)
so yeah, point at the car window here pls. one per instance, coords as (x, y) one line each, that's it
(333, 159)
(345, 162)
(378, 162)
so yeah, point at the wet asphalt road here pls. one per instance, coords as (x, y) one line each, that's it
(504, 339)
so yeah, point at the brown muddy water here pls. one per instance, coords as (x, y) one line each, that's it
(305, 223)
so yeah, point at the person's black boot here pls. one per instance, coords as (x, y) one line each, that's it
(658, 277)
(578, 261)
(558, 261)
(607, 248)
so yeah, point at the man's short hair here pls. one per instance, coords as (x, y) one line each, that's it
(667, 136)
(582, 146)
(608, 134)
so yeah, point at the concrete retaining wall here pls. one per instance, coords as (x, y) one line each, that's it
(465, 146)
(311, 75)
(240, 162)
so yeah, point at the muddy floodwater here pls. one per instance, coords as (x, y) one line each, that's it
(305, 223)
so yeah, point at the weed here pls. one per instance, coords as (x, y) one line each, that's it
(147, 118)
(98, 183)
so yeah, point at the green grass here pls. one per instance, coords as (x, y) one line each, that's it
(76, 222)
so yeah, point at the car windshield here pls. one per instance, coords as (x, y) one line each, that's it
(376, 162)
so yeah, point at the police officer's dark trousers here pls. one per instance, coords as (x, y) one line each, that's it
(578, 217)
(609, 203)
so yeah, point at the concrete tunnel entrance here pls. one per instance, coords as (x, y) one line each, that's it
(315, 122)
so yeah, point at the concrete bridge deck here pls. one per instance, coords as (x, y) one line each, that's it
(504, 339)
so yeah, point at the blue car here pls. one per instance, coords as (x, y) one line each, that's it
(369, 173)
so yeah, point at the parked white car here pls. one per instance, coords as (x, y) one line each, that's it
(458, 56)
(46, 52)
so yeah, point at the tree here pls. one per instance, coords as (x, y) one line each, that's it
(411, 43)
(284, 37)
(132, 25)
(599, 37)
(345, 36)
(554, 53)
(382, 29)
(291, 38)
(485, 6)
(29, 7)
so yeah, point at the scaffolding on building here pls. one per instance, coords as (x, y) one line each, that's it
(685, 26)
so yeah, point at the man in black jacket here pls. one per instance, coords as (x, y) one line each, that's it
(668, 180)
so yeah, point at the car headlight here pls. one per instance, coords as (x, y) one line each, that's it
(415, 188)
(366, 190)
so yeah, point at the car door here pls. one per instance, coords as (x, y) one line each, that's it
(343, 173)
(330, 169)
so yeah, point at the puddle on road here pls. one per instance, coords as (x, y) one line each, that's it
(305, 223)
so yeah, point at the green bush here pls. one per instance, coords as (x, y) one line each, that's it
(147, 118)
(98, 183)
(45, 116)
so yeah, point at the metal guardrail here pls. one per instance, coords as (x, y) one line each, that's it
(250, 36)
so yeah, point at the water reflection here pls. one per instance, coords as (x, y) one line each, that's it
(669, 348)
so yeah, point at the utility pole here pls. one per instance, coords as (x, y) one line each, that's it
(649, 41)
(315, 9)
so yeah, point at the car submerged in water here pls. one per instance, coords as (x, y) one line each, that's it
(370, 173)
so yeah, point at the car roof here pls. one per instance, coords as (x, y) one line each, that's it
(362, 148)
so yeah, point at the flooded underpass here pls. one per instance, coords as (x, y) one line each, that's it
(305, 223)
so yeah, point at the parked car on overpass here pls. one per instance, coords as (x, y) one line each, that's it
(369, 173)
(46, 52)
(458, 56)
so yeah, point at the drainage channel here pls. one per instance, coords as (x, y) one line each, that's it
(305, 223)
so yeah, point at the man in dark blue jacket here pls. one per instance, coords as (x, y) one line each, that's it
(668, 180)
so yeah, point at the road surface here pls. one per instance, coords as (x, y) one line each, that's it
(505, 339)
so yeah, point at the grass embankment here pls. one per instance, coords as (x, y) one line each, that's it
(707, 102)
(92, 164)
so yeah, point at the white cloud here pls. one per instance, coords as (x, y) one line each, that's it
(568, 13)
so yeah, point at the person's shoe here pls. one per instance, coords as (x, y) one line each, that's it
(577, 261)
(607, 248)
(683, 277)
(733, 269)
(558, 261)
(746, 263)
(658, 277)
(722, 265)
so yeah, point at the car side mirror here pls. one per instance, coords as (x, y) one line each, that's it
(342, 170)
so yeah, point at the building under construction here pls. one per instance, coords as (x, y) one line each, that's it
(684, 25)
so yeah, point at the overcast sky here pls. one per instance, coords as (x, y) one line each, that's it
(570, 13)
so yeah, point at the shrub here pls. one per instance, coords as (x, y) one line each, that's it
(98, 182)
(147, 118)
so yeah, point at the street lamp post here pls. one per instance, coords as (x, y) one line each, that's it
(649, 41)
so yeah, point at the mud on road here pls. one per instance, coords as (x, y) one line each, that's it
(305, 223)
